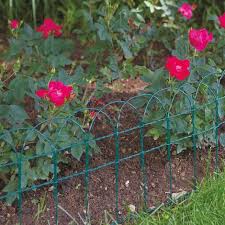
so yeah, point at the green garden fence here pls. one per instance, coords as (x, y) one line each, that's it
(113, 115)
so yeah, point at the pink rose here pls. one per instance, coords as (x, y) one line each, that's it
(221, 20)
(49, 27)
(57, 93)
(178, 68)
(14, 24)
(200, 38)
(186, 10)
(41, 93)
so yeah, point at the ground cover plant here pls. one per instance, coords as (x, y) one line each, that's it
(56, 74)
(205, 206)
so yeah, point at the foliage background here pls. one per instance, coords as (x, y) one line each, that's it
(71, 13)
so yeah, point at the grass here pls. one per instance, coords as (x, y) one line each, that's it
(206, 206)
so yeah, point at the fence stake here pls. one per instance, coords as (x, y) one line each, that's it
(217, 135)
(86, 174)
(194, 147)
(168, 142)
(55, 183)
(20, 164)
(142, 161)
(116, 134)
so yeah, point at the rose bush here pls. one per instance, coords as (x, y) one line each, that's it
(40, 57)
(186, 10)
(194, 79)
(57, 93)
(178, 68)
(200, 38)
(222, 20)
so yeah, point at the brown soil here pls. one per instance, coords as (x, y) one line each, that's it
(102, 182)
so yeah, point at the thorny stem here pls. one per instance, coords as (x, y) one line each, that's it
(8, 78)
(90, 97)
(172, 101)
(88, 100)
(172, 93)
(85, 93)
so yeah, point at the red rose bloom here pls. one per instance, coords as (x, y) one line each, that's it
(57, 93)
(14, 24)
(49, 27)
(178, 68)
(57, 97)
(222, 20)
(186, 10)
(200, 38)
(41, 93)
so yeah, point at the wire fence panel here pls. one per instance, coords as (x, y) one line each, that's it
(100, 179)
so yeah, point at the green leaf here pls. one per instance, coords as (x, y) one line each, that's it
(58, 61)
(188, 88)
(43, 168)
(126, 50)
(102, 31)
(10, 188)
(4, 111)
(16, 47)
(222, 139)
(39, 147)
(79, 77)
(140, 18)
(47, 147)
(101, 89)
(154, 132)
(27, 32)
(94, 146)
(30, 135)
(17, 89)
(221, 43)
(150, 6)
(213, 18)
(12, 185)
(157, 79)
(77, 151)
(113, 65)
(182, 48)
(179, 125)
(7, 137)
(181, 147)
(17, 113)
(139, 102)
(106, 72)
(221, 109)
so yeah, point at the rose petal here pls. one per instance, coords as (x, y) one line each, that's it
(41, 93)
